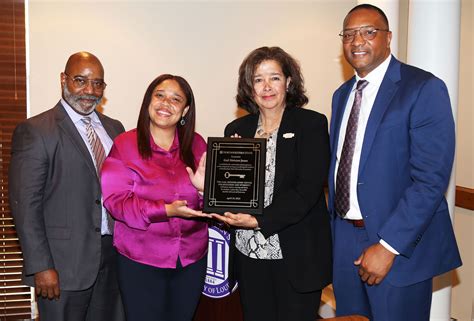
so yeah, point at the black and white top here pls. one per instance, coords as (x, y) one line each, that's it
(250, 242)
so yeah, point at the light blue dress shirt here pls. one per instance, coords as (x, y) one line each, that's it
(104, 138)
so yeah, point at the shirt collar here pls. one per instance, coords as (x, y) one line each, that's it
(375, 77)
(75, 116)
(174, 145)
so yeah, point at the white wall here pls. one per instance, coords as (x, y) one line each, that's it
(462, 301)
(204, 42)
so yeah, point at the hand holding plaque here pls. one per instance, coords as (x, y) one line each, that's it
(235, 175)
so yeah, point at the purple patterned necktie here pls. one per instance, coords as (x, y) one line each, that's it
(343, 179)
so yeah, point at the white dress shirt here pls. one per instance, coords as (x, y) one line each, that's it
(374, 78)
(105, 140)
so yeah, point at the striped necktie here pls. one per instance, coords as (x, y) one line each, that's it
(94, 142)
(98, 152)
(343, 179)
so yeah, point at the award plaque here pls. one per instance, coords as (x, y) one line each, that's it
(235, 175)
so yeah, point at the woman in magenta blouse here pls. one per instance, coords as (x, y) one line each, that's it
(151, 184)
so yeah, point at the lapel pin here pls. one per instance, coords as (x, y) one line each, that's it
(288, 135)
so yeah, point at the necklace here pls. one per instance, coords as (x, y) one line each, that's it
(260, 132)
(263, 134)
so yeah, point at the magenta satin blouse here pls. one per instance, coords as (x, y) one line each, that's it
(135, 192)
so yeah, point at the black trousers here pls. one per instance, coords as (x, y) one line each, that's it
(267, 295)
(101, 302)
(155, 294)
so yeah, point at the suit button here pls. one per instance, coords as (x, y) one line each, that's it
(97, 229)
(97, 202)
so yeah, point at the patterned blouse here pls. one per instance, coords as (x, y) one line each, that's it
(252, 243)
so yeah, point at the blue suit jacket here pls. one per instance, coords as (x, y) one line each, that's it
(405, 166)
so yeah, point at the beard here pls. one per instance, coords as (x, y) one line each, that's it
(78, 104)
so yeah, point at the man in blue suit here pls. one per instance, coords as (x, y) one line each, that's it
(392, 150)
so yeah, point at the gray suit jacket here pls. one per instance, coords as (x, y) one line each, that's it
(55, 198)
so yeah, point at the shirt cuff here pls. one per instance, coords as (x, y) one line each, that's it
(388, 247)
(155, 211)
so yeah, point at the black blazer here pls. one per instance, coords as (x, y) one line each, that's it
(298, 212)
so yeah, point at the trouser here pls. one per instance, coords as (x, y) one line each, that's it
(382, 302)
(101, 302)
(158, 294)
(267, 295)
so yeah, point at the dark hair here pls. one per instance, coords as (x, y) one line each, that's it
(185, 132)
(295, 96)
(373, 8)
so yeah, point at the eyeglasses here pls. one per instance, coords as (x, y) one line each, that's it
(81, 82)
(366, 32)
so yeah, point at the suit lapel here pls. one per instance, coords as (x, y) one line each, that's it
(111, 130)
(339, 112)
(336, 120)
(70, 130)
(248, 127)
(386, 92)
(284, 146)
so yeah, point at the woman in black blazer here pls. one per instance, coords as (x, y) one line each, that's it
(282, 259)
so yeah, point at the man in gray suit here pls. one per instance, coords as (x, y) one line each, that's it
(55, 196)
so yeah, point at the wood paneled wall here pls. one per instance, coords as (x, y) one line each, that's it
(15, 299)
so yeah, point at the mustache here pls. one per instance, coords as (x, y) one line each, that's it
(75, 101)
(88, 97)
(70, 96)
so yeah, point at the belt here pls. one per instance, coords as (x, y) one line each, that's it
(356, 223)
